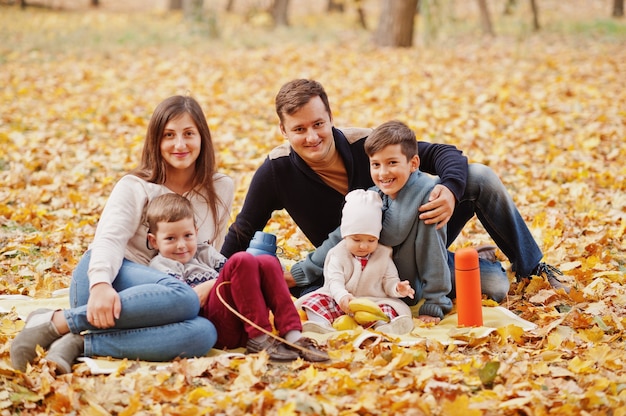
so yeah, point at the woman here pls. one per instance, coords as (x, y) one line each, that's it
(129, 309)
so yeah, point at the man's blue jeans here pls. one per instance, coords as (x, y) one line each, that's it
(487, 197)
(159, 319)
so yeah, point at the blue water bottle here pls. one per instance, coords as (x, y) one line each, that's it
(262, 243)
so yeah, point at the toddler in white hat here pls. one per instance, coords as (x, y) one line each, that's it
(359, 267)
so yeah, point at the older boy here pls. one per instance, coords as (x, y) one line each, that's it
(411, 237)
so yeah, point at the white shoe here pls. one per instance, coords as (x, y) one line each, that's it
(319, 328)
(399, 325)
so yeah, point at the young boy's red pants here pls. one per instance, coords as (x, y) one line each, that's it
(257, 286)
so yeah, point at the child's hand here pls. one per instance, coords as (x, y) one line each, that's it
(404, 289)
(429, 319)
(203, 290)
(291, 282)
(344, 303)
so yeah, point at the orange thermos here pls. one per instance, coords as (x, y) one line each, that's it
(468, 293)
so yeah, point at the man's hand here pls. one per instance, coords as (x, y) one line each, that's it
(291, 282)
(104, 306)
(439, 207)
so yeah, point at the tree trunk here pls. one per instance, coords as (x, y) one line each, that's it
(509, 6)
(279, 12)
(618, 8)
(95, 3)
(361, 14)
(176, 4)
(533, 6)
(192, 10)
(335, 6)
(230, 5)
(485, 17)
(396, 23)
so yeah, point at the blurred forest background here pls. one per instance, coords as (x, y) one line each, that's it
(75, 75)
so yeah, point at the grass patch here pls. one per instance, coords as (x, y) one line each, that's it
(611, 28)
(12, 227)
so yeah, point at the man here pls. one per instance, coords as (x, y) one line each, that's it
(310, 175)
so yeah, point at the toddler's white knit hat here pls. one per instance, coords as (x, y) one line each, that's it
(362, 214)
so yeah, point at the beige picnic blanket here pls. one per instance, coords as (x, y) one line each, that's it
(446, 332)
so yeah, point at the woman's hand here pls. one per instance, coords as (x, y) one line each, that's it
(104, 306)
(202, 290)
(439, 207)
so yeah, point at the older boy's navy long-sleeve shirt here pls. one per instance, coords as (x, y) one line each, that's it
(285, 181)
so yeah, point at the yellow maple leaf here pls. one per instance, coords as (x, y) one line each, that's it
(459, 406)
(594, 334)
(512, 331)
(288, 409)
(134, 405)
(579, 366)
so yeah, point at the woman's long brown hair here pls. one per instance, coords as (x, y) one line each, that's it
(152, 167)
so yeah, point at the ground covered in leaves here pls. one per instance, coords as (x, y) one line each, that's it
(546, 111)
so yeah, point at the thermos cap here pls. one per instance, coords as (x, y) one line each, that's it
(262, 243)
(466, 259)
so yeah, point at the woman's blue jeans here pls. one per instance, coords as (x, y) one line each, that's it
(487, 197)
(159, 319)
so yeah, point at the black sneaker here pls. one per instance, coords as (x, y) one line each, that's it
(310, 351)
(487, 252)
(550, 273)
(276, 350)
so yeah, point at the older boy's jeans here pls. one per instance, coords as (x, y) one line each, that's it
(486, 196)
(159, 319)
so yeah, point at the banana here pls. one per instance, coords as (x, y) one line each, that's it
(303, 315)
(366, 305)
(344, 323)
(365, 317)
